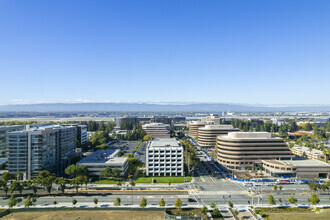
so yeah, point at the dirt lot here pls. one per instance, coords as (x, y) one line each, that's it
(86, 215)
(323, 214)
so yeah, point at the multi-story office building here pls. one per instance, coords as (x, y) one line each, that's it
(40, 148)
(164, 157)
(101, 159)
(4, 130)
(157, 130)
(305, 152)
(207, 135)
(195, 125)
(127, 122)
(167, 119)
(82, 133)
(32, 151)
(246, 150)
(213, 118)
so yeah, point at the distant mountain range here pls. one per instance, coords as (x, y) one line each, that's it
(140, 107)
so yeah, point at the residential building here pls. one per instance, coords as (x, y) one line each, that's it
(100, 159)
(4, 130)
(164, 157)
(246, 150)
(207, 135)
(157, 130)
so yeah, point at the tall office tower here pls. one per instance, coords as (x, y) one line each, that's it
(4, 130)
(32, 151)
(48, 147)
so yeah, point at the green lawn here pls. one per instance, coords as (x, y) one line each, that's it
(161, 179)
(106, 182)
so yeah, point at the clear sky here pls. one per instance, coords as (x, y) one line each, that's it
(249, 51)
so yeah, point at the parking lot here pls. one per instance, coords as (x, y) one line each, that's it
(126, 147)
(141, 153)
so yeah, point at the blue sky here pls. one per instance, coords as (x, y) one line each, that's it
(256, 52)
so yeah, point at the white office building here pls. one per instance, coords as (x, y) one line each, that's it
(101, 159)
(157, 130)
(164, 157)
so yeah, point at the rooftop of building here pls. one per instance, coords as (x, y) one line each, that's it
(217, 127)
(164, 142)
(306, 149)
(155, 125)
(248, 135)
(106, 156)
(300, 162)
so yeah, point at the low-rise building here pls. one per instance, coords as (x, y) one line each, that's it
(157, 130)
(207, 135)
(305, 152)
(299, 168)
(164, 157)
(100, 159)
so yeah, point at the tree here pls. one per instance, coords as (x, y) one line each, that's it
(5, 189)
(280, 201)
(204, 210)
(292, 200)
(95, 200)
(75, 170)
(313, 186)
(106, 173)
(55, 203)
(46, 179)
(18, 200)
(161, 202)
(12, 201)
(143, 203)
(324, 187)
(230, 204)
(76, 182)
(275, 187)
(117, 202)
(313, 199)
(147, 137)
(212, 205)
(74, 202)
(271, 200)
(28, 202)
(280, 187)
(34, 189)
(216, 213)
(62, 182)
(190, 156)
(178, 203)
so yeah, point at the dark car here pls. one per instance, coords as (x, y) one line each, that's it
(191, 200)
